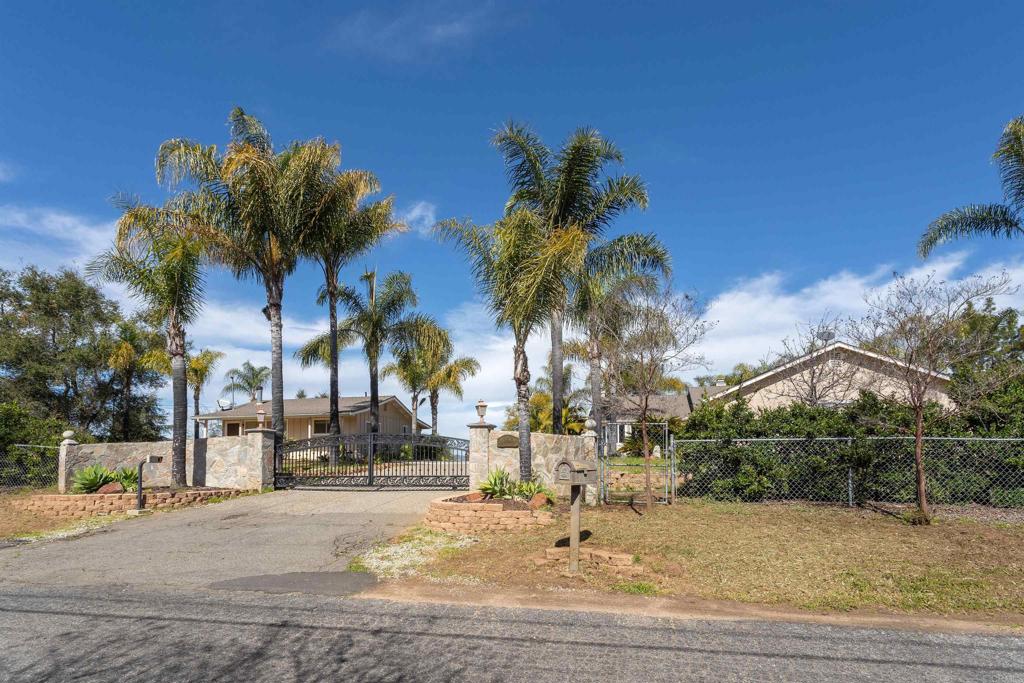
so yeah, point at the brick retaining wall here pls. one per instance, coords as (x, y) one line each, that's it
(444, 515)
(87, 505)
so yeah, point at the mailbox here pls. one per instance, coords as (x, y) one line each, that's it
(576, 473)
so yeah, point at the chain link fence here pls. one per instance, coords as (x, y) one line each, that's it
(27, 466)
(959, 471)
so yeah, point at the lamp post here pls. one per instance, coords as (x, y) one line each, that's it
(261, 415)
(481, 410)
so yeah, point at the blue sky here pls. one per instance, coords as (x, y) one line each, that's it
(793, 153)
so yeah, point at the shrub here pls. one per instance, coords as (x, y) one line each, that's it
(128, 478)
(526, 490)
(498, 484)
(1007, 498)
(89, 479)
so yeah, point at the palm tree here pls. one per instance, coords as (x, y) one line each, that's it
(996, 220)
(566, 189)
(447, 374)
(257, 205)
(247, 379)
(200, 369)
(134, 341)
(520, 270)
(612, 271)
(161, 265)
(381, 319)
(344, 230)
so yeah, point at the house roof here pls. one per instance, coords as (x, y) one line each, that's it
(768, 376)
(669, 405)
(306, 407)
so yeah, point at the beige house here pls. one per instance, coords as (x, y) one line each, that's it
(307, 417)
(832, 375)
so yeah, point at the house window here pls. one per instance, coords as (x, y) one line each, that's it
(231, 429)
(320, 426)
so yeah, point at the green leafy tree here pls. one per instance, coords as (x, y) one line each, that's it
(252, 207)
(134, 341)
(447, 374)
(345, 228)
(519, 269)
(199, 372)
(56, 338)
(567, 190)
(161, 266)
(247, 379)
(995, 220)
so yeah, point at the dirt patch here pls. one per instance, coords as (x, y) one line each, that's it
(804, 557)
(15, 522)
(506, 503)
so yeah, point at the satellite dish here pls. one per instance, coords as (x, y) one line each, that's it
(224, 404)
(826, 335)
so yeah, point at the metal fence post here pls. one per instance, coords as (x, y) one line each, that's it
(849, 486)
(369, 459)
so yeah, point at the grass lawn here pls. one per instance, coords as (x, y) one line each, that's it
(816, 558)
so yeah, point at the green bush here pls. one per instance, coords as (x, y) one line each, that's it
(1007, 498)
(128, 478)
(89, 479)
(526, 490)
(498, 484)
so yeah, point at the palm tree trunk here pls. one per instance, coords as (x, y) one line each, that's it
(332, 305)
(374, 395)
(275, 292)
(435, 398)
(415, 410)
(557, 369)
(195, 413)
(521, 375)
(596, 399)
(922, 489)
(179, 411)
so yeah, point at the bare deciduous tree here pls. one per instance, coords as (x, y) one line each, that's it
(917, 325)
(819, 372)
(652, 345)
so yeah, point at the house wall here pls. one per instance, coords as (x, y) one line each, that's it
(850, 376)
(393, 420)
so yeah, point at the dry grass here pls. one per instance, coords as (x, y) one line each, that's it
(819, 558)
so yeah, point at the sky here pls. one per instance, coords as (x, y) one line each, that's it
(793, 152)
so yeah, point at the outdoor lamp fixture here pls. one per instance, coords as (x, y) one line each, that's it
(481, 410)
(261, 415)
(138, 486)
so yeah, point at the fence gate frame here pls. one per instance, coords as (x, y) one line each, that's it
(373, 461)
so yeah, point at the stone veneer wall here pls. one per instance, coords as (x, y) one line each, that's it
(235, 462)
(547, 450)
(444, 515)
(87, 505)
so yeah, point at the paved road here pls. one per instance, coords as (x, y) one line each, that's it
(253, 590)
(113, 635)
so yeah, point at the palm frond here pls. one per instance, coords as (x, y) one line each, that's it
(996, 220)
(1010, 157)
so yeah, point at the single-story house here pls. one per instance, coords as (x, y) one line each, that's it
(307, 417)
(832, 375)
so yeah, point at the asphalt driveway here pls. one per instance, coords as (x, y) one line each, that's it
(289, 533)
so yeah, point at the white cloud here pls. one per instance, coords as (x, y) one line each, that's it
(7, 172)
(414, 32)
(420, 217)
(49, 238)
(754, 315)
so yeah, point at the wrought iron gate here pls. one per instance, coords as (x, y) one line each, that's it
(374, 460)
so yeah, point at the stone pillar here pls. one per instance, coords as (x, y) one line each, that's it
(479, 452)
(66, 451)
(589, 436)
(266, 453)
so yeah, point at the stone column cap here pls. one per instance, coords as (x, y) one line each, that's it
(481, 425)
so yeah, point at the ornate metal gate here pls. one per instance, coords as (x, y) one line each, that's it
(373, 461)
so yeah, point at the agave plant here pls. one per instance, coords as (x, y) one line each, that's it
(526, 490)
(498, 484)
(90, 479)
(127, 477)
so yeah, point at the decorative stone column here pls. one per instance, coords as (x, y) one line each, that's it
(66, 451)
(479, 452)
(267, 454)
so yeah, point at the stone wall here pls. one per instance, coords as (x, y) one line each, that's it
(546, 450)
(233, 462)
(445, 515)
(87, 505)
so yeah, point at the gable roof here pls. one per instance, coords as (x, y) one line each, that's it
(308, 407)
(769, 376)
(669, 405)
